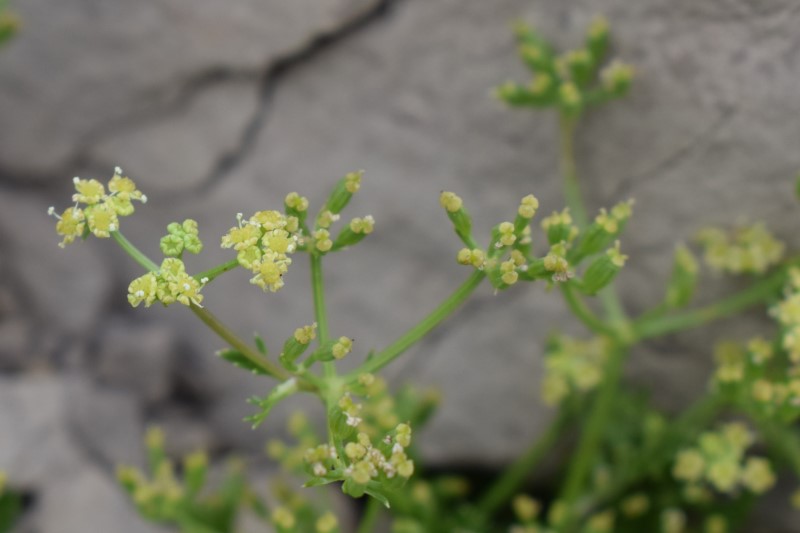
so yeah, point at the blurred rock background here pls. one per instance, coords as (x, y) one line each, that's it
(215, 108)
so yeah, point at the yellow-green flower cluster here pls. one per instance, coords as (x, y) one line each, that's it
(263, 244)
(475, 257)
(719, 460)
(747, 249)
(368, 461)
(555, 261)
(168, 285)
(787, 312)
(101, 210)
(572, 365)
(362, 225)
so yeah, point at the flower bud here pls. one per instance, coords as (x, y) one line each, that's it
(462, 223)
(343, 191)
(683, 281)
(597, 38)
(603, 270)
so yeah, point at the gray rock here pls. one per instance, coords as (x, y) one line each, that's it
(66, 288)
(137, 358)
(15, 338)
(66, 438)
(86, 71)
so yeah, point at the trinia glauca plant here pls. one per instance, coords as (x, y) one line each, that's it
(632, 469)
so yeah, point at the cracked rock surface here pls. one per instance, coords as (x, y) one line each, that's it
(216, 108)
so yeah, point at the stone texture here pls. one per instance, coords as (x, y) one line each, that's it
(200, 104)
(60, 442)
(138, 359)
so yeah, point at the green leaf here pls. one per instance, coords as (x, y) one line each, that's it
(317, 482)
(260, 344)
(236, 358)
(10, 510)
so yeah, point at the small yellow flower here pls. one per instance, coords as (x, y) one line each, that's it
(506, 230)
(241, 237)
(322, 240)
(528, 206)
(450, 201)
(268, 220)
(352, 181)
(326, 523)
(689, 465)
(326, 219)
(362, 225)
(306, 334)
(757, 475)
(143, 289)
(89, 192)
(342, 347)
(71, 224)
(296, 202)
(102, 220)
(283, 518)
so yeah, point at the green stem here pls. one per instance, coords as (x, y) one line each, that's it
(504, 488)
(445, 309)
(134, 252)
(320, 313)
(757, 293)
(680, 431)
(370, 516)
(782, 440)
(574, 200)
(210, 320)
(569, 172)
(582, 311)
(212, 273)
(592, 436)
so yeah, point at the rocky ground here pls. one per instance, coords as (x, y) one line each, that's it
(216, 108)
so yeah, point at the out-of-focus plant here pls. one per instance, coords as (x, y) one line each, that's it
(633, 468)
(9, 23)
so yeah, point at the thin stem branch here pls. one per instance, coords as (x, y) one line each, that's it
(508, 484)
(756, 294)
(569, 172)
(445, 309)
(211, 321)
(134, 252)
(592, 435)
(320, 313)
(582, 311)
(212, 273)
(370, 516)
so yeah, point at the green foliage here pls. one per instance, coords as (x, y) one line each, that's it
(9, 23)
(633, 467)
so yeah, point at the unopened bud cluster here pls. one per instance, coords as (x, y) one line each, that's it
(169, 284)
(568, 82)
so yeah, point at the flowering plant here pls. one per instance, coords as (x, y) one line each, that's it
(634, 468)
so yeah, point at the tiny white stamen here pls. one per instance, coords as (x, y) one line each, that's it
(144, 199)
(51, 211)
(76, 180)
(140, 293)
(319, 469)
(204, 280)
(524, 268)
(118, 171)
(397, 448)
(498, 245)
(112, 227)
(186, 286)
